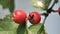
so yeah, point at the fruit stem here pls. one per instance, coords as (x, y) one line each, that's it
(54, 10)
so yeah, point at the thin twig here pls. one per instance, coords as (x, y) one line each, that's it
(54, 10)
(46, 15)
(44, 20)
(42, 26)
(55, 1)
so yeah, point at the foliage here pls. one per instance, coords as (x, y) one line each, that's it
(8, 4)
(8, 26)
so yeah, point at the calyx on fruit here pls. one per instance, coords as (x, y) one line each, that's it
(34, 17)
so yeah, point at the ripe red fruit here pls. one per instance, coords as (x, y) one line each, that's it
(34, 17)
(59, 10)
(19, 16)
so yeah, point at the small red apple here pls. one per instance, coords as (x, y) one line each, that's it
(19, 16)
(59, 10)
(34, 17)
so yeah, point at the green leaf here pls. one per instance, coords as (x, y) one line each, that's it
(7, 24)
(35, 28)
(41, 30)
(41, 4)
(22, 29)
(7, 32)
(8, 4)
(47, 3)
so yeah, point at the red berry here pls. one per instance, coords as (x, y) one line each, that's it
(19, 16)
(34, 17)
(59, 10)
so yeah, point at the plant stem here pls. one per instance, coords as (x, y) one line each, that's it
(42, 26)
(54, 10)
(55, 1)
(44, 20)
(46, 15)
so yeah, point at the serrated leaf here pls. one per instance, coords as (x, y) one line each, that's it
(35, 28)
(22, 29)
(8, 4)
(7, 24)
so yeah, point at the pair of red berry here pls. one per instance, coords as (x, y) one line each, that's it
(19, 16)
